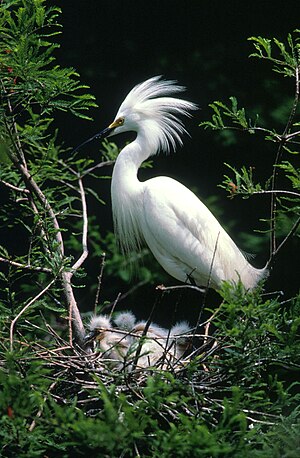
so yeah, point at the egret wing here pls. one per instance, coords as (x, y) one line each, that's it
(184, 236)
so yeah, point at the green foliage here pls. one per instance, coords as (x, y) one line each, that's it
(285, 203)
(30, 80)
(238, 397)
(292, 173)
(22, 395)
(45, 201)
(235, 114)
(288, 59)
(243, 182)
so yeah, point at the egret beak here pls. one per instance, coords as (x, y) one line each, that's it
(103, 134)
(90, 336)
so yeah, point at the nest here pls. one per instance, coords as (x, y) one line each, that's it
(77, 375)
(80, 376)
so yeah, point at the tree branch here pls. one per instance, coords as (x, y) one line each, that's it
(288, 236)
(12, 325)
(25, 266)
(32, 186)
(85, 252)
(14, 188)
(278, 191)
(284, 139)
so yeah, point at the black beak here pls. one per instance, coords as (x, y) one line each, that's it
(90, 336)
(103, 134)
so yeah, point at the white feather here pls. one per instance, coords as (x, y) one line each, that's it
(125, 321)
(182, 327)
(100, 322)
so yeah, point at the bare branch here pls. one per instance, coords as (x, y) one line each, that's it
(292, 135)
(170, 288)
(278, 191)
(13, 187)
(25, 266)
(288, 236)
(85, 252)
(12, 325)
(99, 282)
(74, 314)
(97, 166)
(32, 186)
(284, 138)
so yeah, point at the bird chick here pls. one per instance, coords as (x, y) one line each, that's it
(161, 347)
(112, 344)
(130, 344)
(153, 344)
(125, 321)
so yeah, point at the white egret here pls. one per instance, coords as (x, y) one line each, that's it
(183, 235)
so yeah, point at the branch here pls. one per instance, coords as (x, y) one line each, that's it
(295, 104)
(99, 282)
(35, 189)
(25, 266)
(85, 252)
(170, 288)
(14, 188)
(12, 325)
(32, 186)
(284, 139)
(97, 166)
(277, 191)
(292, 135)
(289, 235)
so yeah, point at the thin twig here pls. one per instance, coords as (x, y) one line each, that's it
(102, 263)
(124, 295)
(12, 325)
(13, 187)
(97, 166)
(278, 191)
(144, 333)
(25, 266)
(283, 140)
(114, 304)
(287, 237)
(170, 288)
(208, 284)
(39, 413)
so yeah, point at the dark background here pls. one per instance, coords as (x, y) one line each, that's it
(203, 45)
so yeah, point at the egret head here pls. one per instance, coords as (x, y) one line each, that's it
(98, 325)
(151, 109)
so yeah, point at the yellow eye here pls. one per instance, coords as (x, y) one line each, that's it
(117, 123)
